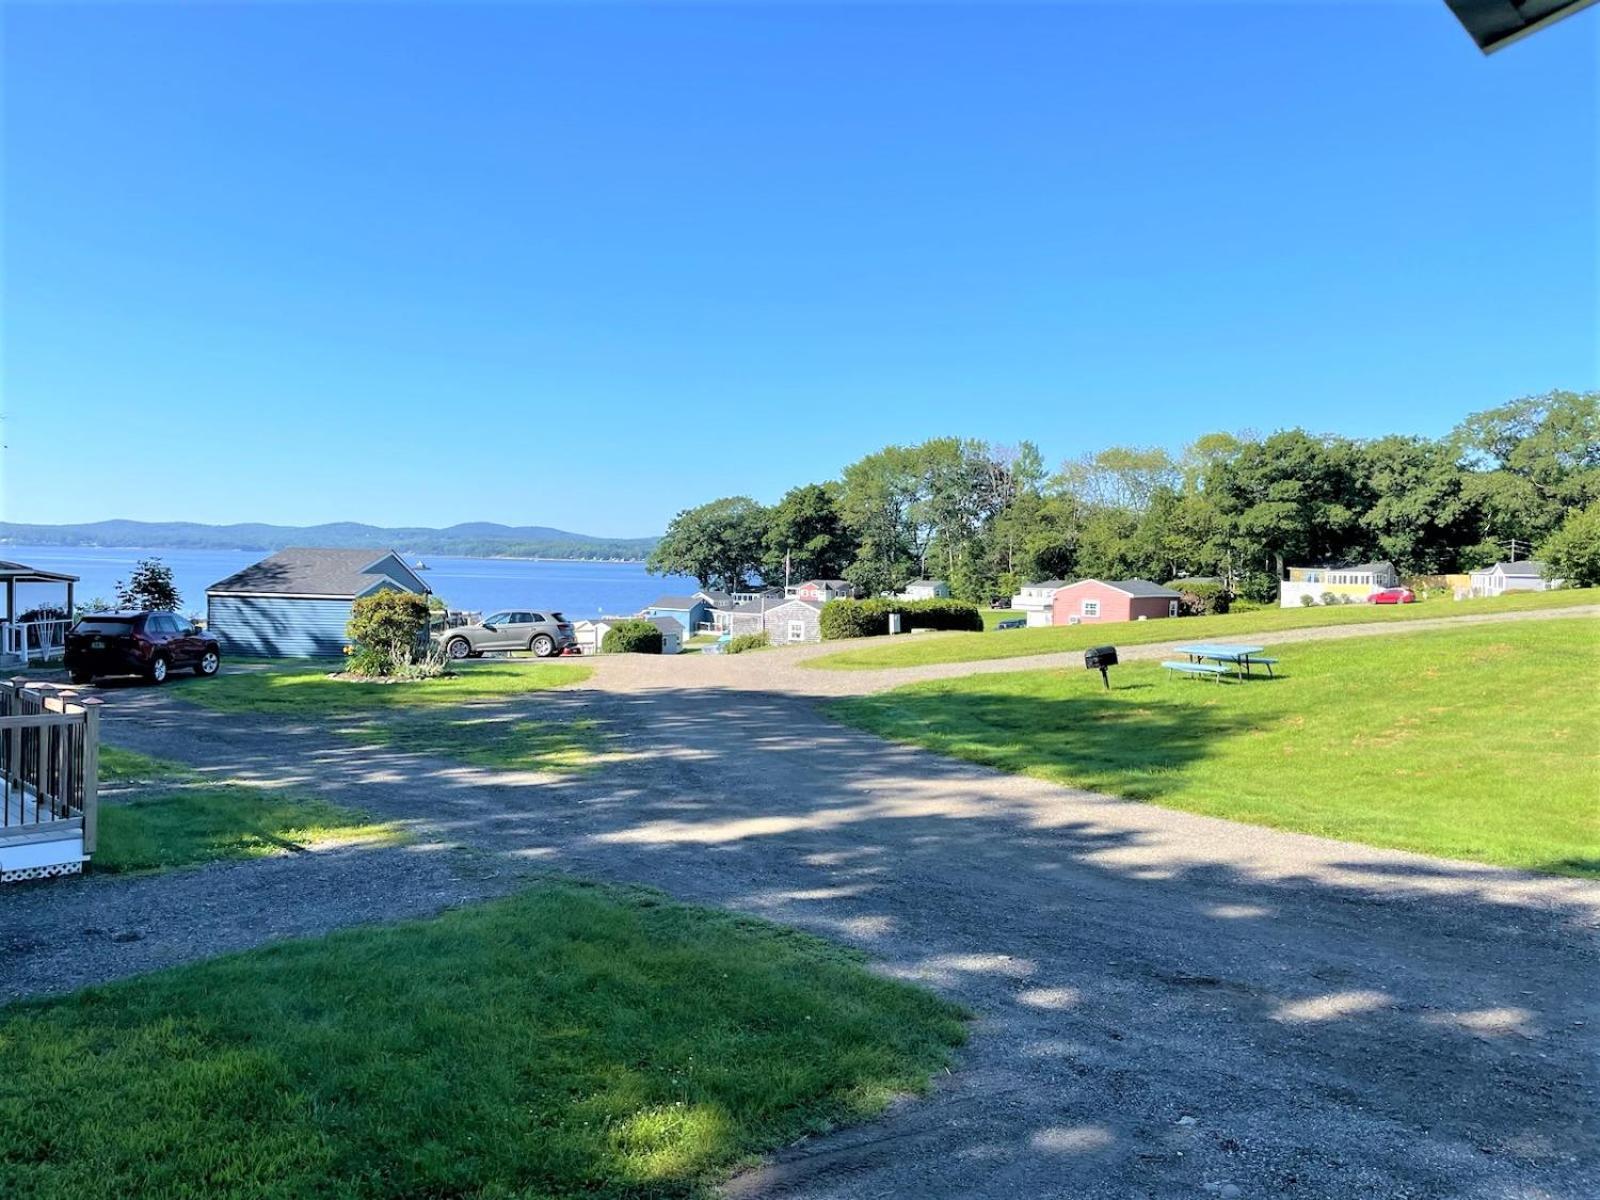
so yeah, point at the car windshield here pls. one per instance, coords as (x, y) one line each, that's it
(104, 625)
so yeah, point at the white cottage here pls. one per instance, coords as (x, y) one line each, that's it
(1037, 600)
(1505, 577)
(926, 589)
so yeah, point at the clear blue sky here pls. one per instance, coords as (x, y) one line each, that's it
(583, 265)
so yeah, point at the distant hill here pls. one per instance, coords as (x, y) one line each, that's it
(476, 538)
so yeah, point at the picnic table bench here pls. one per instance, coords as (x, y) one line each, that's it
(1214, 670)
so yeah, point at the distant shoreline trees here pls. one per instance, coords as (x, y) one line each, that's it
(1238, 507)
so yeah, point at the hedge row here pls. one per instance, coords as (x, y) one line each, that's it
(631, 637)
(869, 618)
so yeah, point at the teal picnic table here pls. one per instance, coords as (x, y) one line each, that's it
(1240, 657)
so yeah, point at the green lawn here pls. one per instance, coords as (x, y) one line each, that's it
(305, 689)
(158, 814)
(569, 1042)
(1480, 742)
(916, 650)
(433, 716)
(993, 616)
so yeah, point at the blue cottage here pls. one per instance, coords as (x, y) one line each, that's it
(296, 603)
(689, 611)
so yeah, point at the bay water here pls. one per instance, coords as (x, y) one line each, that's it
(578, 589)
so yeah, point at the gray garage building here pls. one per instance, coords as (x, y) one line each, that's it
(296, 603)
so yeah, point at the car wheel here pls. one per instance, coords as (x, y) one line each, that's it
(79, 676)
(458, 648)
(210, 662)
(158, 671)
(542, 646)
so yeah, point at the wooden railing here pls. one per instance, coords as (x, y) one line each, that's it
(49, 760)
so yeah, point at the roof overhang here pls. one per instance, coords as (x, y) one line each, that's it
(15, 572)
(279, 595)
(1494, 24)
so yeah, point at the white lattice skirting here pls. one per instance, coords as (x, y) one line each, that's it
(51, 871)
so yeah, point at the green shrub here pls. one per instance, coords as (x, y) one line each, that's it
(1202, 597)
(1572, 553)
(631, 637)
(870, 618)
(748, 641)
(1329, 598)
(1307, 600)
(388, 628)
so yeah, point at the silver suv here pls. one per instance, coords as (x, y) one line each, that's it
(539, 633)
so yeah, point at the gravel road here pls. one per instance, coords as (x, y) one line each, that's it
(1166, 1005)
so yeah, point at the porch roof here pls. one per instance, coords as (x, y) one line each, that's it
(15, 572)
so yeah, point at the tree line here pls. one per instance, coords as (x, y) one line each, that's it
(1515, 481)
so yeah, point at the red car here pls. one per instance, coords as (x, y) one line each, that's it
(1393, 596)
(139, 643)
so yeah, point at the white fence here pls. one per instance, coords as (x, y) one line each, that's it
(33, 641)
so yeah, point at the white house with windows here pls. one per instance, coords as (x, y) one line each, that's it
(1036, 601)
(1357, 581)
(1506, 577)
(926, 589)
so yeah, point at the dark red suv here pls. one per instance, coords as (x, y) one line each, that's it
(139, 643)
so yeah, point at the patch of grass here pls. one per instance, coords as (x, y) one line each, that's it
(569, 1042)
(1480, 742)
(305, 690)
(922, 649)
(119, 766)
(562, 747)
(993, 616)
(182, 826)
(160, 814)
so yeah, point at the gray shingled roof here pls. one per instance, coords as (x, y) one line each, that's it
(1526, 569)
(683, 602)
(1143, 587)
(309, 571)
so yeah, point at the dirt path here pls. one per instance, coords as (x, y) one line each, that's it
(1166, 1005)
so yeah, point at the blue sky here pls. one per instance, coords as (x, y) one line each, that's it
(586, 265)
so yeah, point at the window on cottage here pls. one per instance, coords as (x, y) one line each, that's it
(1091, 608)
(797, 631)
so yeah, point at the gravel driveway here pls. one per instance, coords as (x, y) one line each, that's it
(1166, 1005)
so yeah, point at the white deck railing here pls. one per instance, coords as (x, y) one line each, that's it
(33, 641)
